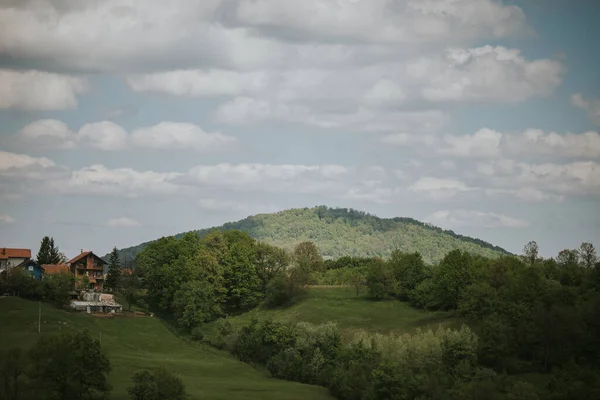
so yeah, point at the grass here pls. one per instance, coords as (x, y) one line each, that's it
(134, 343)
(351, 313)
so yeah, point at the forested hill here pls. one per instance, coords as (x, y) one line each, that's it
(346, 232)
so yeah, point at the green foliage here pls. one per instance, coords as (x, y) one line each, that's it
(379, 280)
(269, 261)
(346, 232)
(12, 366)
(49, 253)
(70, 366)
(159, 384)
(195, 303)
(283, 290)
(114, 271)
(408, 272)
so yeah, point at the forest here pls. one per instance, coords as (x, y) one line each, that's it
(523, 316)
(339, 232)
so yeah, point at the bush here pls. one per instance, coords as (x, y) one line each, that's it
(156, 385)
(197, 333)
(282, 291)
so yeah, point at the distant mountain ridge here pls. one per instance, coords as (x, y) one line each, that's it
(347, 232)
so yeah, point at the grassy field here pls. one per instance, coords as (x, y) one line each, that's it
(351, 313)
(133, 343)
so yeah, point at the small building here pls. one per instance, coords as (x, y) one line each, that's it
(32, 268)
(55, 269)
(10, 258)
(90, 265)
(93, 302)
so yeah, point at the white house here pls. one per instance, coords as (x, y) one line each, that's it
(10, 258)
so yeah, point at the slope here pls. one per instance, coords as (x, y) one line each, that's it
(346, 232)
(134, 343)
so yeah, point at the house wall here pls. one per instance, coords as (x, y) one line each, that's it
(7, 264)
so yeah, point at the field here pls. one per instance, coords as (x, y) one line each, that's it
(351, 313)
(133, 343)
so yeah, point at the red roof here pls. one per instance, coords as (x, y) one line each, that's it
(82, 256)
(14, 253)
(55, 269)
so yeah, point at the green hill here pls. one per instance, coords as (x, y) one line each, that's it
(134, 343)
(346, 232)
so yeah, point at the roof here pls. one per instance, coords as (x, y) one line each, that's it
(14, 253)
(84, 255)
(55, 269)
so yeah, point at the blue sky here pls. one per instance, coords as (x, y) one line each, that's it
(123, 121)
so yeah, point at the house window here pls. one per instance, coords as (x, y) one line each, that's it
(30, 268)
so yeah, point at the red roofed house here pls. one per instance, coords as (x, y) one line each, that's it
(90, 265)
(55, 269)
(10, 258)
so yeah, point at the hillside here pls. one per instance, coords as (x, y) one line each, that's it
(134, 343)
(346, 232)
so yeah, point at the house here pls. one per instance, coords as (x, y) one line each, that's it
(32, 268)
(97, 303)
(90, 265)
(10, 258)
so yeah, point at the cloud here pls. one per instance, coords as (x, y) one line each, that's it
(377, 20)
(6, 219)
(37, 90)
(248, 34)
(212, 204)
(16, 167)
(123, 222)
(438, 188)
(591, 106)
(488, 143)
(122, 182)
(106, 135)
(473, 218)
(180, 136)
(485, 74)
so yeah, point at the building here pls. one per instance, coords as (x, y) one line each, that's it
(97, 303)
(10, 258)
(32, 268)
(55, 269)
(90, 265)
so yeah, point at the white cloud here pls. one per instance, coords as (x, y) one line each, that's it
(462, 218)
(197, 83)
(126, 182)
(22, 166)
(485, 74)
(6, 219)
(180, 136)
(247, 34)
(439, 188)
(211, 204)
(37, 90)
(106, 135)
(592, 106)
(483, 143)
(123, 222)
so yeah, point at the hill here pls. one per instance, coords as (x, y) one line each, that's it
(134, 343)
(346, 232)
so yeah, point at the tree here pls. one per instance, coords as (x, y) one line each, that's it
(49, 253)
(587, 255)
(71, 366)
(379, 280)
(357, 279)
(269, 260)
(195, 303)
(454, 273)
(156, 385)
(530, 252)
(408, 270)
(114, 270)
(11, 371)
(308, 259)
(130, 283)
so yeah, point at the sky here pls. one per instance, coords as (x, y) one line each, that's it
(124, 121)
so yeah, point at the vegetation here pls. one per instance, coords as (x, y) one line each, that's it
(55, 289)
(61, 367)
(49, 253)
(347, 232)
(159, 384)
(114, 271)
(134, 343)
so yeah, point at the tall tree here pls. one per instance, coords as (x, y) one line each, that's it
(71, 366)
(308, 259)
(530, 252)
(49, 253)
(269, 260)
(587, 255)
(130, 283)
(114, 270)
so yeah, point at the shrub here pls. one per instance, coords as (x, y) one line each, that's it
(156, 385)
